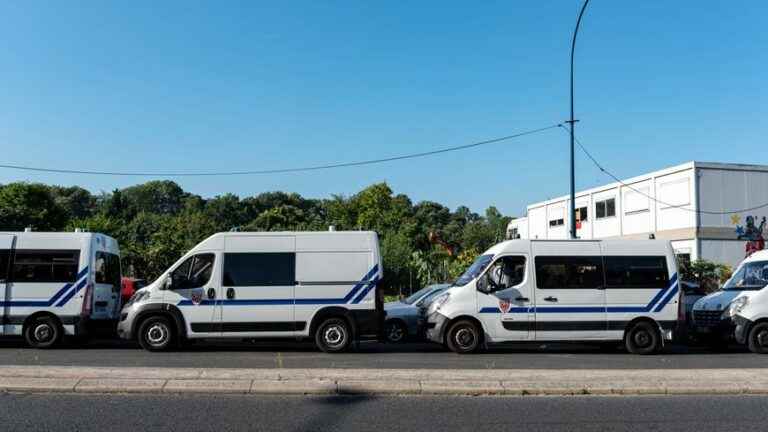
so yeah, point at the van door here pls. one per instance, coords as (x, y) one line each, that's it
(6, 247)
(570, 291)
(504, 298)
(195, 291)
(106, 289)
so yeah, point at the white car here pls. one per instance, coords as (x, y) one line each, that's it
(711, 322)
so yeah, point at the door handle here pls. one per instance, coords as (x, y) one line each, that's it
(522, 299)
(550, 299)
(230, 293)
(211, 293)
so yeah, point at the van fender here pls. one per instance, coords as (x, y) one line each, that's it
(162, 309)
(450, 321)
(333, 311)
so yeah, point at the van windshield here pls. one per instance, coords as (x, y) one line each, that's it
(749, 277)
(474, 270)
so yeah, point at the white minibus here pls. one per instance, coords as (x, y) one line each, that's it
(250, 285)
(53, 283)
(561, 290)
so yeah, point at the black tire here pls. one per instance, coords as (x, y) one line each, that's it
(643, 338)
(156, 334)
(464, 337)
(333, 335)
(758, 338)
(43, 332)
(395, 331)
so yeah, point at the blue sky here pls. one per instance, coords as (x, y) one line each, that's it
(159, 86)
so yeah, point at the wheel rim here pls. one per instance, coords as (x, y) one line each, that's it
(465, 338)
(762, 338)
(157, 334)
(43, 333)
(642, 339)
(395, 333)
(335, 335)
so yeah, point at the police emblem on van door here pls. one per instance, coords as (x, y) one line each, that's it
(197, 296)
(504, 305)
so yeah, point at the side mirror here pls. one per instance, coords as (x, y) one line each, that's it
(482, 285)
(167, 283)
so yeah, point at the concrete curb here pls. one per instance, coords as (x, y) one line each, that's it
(382, 381)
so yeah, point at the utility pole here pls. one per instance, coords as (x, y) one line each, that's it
(572, 124)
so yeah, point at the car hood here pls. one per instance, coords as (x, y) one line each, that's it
(716, 301)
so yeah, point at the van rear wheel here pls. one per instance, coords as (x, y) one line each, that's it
(43, 332)
(333, 335)
(156, 334)
(463, 337)
(758, 338)
(642, 338)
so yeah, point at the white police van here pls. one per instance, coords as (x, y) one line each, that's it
(248, 285)
(711, 321)
(53, 283)
(570, 290)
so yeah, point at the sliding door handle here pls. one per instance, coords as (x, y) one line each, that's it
(550, 299)
(522, 299)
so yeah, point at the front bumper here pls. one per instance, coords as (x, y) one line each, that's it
(714, 326)
(742, 329)
(435, 327)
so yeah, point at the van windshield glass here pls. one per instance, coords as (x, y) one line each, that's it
(749, 277)
(474, 270)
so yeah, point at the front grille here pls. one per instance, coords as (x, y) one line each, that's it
(707, 318)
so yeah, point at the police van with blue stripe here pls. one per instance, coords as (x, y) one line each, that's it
(570, 290)
(54, 283)
(251, 285)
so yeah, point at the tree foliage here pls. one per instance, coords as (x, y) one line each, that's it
(156, 222)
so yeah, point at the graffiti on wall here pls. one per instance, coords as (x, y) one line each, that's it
(751, 232)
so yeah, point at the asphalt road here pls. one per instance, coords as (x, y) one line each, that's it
(70, 412)
(117, 353)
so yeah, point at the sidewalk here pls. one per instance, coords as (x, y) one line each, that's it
(382, 381)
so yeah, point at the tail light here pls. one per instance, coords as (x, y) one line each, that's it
(87, 300)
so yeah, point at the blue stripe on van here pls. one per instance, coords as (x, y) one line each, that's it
(365, 281)
(50, 302)
(669, 291)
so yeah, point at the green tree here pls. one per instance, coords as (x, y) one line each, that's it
(32, 205)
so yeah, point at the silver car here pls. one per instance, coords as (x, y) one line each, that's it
(405, 318)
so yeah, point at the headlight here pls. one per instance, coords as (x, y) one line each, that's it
(138, 296)
(437, 303)
(735, 307)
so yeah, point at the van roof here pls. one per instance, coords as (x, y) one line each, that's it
(55, 234)
(516, 244)
(757, 256)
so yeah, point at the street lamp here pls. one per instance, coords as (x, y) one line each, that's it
(572, 124)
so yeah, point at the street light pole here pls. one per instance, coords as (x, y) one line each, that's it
(572, 124)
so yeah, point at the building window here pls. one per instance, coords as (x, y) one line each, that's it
(556, 222)
(513, 234)
(581, 214)
(605, 208)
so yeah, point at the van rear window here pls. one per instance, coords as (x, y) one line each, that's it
(259, 269)
(45, 265)
(107, 268)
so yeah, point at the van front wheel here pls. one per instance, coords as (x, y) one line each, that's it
(642, 338)
(333, 335)
(758, 338)
(463, 337)
(42, 332)
(155, 334)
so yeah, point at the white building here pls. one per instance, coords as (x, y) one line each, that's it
(686, 204)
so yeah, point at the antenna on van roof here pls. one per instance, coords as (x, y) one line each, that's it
(28, 229)
(234, 229)
(651, 236)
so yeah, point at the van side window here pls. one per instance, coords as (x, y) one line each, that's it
(555, 272)
(107, 268)
(194, 272)
(506, 272)
(5, 262)
(43, 266)
(636, 272)
(259, 269)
